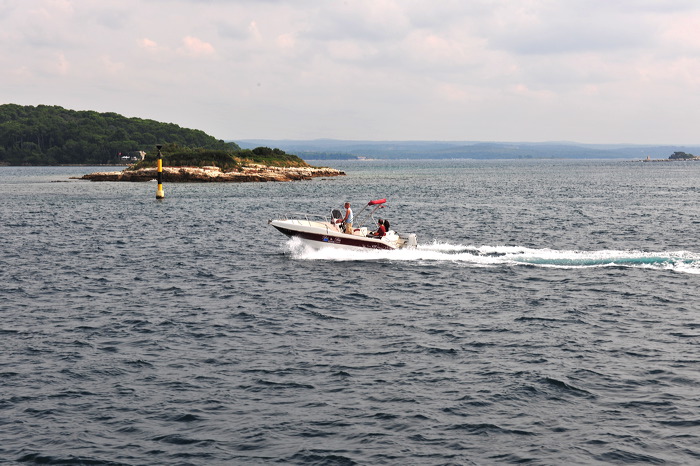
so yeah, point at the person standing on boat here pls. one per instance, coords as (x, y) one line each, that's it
(347, 220)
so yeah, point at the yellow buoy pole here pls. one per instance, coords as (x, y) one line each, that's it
(159, 193)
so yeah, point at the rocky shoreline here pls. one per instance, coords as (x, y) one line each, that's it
(250, 173)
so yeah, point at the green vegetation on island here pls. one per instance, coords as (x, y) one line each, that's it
(176, 156)
(52, 135)
(681, 156)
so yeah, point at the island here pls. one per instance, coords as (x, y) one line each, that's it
(205, 166)
(675, 157)
(52, 135)
(207, 174)
(45, 135)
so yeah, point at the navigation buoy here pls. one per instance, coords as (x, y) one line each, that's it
(159, 192)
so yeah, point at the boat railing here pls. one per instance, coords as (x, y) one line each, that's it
(301, 216)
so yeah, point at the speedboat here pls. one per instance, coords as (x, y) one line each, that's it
(320, 231)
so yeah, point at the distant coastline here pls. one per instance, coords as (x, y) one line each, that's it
(327, 149)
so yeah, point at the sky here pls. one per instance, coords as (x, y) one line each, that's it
(589, 71)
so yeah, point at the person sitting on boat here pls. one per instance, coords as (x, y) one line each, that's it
(386, 225)
(347, 220)
(381, 230)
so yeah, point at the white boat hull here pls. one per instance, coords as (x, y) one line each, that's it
(318, 234)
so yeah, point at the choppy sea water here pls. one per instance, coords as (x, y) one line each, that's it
(551, 315)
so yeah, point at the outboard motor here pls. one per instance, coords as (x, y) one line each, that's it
(412, 242)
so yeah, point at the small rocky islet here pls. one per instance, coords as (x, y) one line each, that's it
(213, 174)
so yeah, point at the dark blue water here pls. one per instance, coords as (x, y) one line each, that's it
(550, 316)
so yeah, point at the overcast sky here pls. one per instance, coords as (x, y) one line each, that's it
(598, 71)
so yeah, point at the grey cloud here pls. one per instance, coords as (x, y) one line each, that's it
(351, 21)
(576, 27)
(571, 37)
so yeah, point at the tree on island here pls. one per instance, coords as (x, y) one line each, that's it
(681, 156)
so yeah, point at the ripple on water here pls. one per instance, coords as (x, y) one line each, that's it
(546, 318)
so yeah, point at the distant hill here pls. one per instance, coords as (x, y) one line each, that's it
(321, 149)
(50, 135)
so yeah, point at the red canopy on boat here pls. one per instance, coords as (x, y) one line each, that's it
(378, 201)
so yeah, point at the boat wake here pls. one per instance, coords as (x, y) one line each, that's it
(494, 256)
